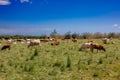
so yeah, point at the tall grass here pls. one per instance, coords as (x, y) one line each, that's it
(62, 62)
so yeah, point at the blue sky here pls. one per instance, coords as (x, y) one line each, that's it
(36, 17)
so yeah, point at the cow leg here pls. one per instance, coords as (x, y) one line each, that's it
(91, 48)
(9, 48)
(97, 50)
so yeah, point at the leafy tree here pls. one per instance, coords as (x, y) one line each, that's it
(54, 33)
(86, 35)
(98, 35)
(68, 35)
(75, 35)
(111, 34)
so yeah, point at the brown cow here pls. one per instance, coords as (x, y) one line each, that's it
(56, 42)
(7, 46)
(46, 40)
(97, 46)
(74, 40)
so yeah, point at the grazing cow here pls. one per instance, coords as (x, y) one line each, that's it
(56, 42)
(85, 45)
(74, 40)
(7, 46)
(107, 41)
(33, 42)
(46, 40)
(96, 46)
(10, 41)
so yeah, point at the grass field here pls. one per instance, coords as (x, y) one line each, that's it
(63, 62)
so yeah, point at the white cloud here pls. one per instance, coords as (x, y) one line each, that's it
(4, 2)
(26, 1)
(115, 25)
(7, 2)
(22, 1)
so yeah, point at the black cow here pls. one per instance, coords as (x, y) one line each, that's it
(6, 47)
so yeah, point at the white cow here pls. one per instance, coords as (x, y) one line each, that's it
(33, 42)
(85, 45)
(107, 41)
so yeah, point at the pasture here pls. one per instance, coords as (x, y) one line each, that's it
(62, 62)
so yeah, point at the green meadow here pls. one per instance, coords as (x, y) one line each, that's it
(62, 62)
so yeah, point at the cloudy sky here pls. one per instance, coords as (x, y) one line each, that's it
(36, 17)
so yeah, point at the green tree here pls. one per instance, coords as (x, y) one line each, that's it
(75, 35)
(68, 35)
(54, 33)
(86, 35)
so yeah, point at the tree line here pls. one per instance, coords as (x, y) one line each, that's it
(67, 35)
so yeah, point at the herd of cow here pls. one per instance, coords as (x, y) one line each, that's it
(54, 42)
